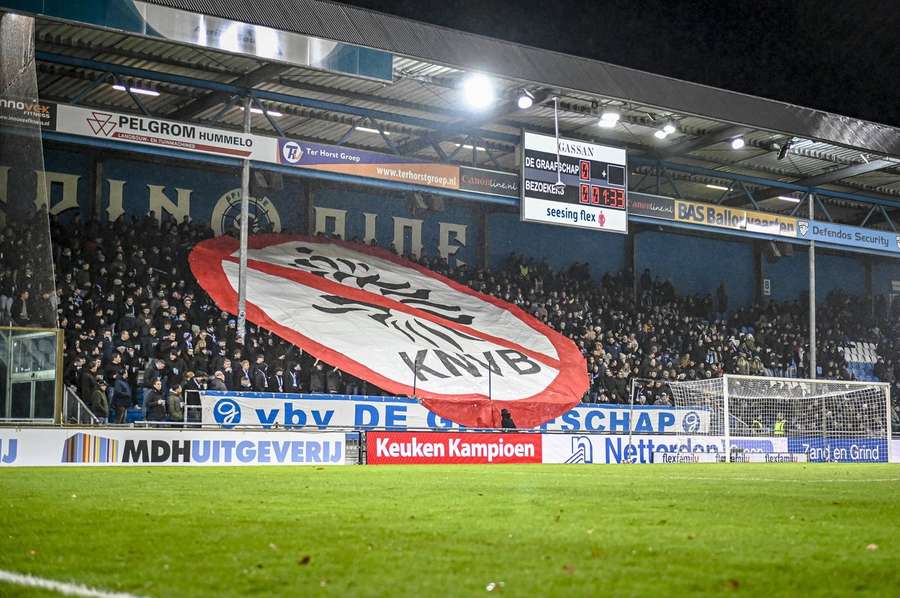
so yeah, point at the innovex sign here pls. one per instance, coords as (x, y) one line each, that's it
(448, 447)
(400, 326)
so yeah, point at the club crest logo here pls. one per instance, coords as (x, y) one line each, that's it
(227, 413)
(226, 215)
(691, 422)
(803, 227)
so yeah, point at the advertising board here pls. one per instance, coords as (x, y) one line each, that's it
(157, 132)
(395, 448)
(30, 113)
(848, 236)
(704, 214)
(609, 449)
(323, 412)
(190, 137)
(652, 206)
(841, 450)
(123, 447)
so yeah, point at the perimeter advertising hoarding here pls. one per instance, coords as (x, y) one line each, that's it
(323, 412)
(841, 450)
(704, 214)
(124, 447)
(652, 206)
(848, 236)
(398, 169)
(594, 189)
(608, 449)
(157, 132)
(28, 113)
(482, 448)
(161, 133)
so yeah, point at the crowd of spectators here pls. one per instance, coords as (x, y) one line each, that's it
(140, 331)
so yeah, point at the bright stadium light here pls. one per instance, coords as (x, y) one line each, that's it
(718, 187)
(660, 134)
(478, 91)
(138, 90)
(269, 112)
(525, 100)
(609, 119)
(371, 130)
(737, 143)
(789, 198)
(668, 128)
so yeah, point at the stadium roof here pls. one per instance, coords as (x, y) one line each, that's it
(420, 113)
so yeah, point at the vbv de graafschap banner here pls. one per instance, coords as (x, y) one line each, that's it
(323, 412)
(400, 326)
(99, 446)
(399, 448)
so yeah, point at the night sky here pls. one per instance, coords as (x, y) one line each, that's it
(840, 56)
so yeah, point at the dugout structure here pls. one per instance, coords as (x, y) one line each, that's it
(827, 419)
(31, 381)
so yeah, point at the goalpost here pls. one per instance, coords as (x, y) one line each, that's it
(828, 420)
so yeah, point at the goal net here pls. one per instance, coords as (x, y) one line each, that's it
(758, 418)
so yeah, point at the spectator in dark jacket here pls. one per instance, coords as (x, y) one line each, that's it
(100, 401)
(277, 383)
(88, 382)
(317, 379)
(260, 374)
(121, 397)
(293, 380)
(154, 403)
(217, 382)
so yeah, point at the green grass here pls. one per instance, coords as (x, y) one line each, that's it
(661, 530)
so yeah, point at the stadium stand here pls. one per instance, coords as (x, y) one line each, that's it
(133, 313)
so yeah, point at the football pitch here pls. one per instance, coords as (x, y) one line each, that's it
(661, 530)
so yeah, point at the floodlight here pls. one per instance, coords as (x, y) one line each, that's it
(478, 91)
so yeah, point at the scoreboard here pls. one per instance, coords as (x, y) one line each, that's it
(594, 193)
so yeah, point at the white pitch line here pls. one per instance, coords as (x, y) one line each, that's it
(68, 589)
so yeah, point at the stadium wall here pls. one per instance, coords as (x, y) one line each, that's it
(884, 272)
(561, 246)
(790, 274)
(698, 264)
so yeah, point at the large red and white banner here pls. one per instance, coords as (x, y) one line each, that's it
(400, 326)
(405, 448)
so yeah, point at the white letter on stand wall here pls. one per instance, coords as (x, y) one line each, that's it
(115, 209)
(340, 221)
(444, 246)
(369, 233)
(45, 182)
(159, 201)
(415, 227)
